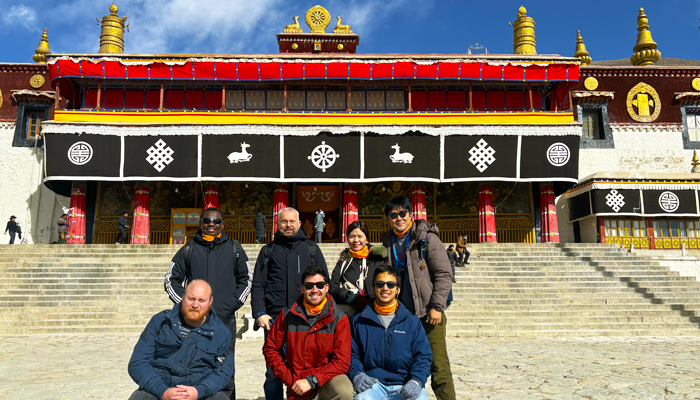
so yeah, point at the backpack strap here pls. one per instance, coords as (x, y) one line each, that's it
(312, 251)
(237, 248)
(187, 248)
(267, 253)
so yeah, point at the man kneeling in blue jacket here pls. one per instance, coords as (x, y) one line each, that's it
(181, 355)
(391, 354)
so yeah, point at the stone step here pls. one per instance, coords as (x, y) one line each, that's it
(618, 330)
(627, 325)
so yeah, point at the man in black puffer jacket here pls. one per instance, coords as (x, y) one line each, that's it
(223, 263)
(277, 282)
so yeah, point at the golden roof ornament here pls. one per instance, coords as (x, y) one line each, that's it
(581, 52)
(317, 18)
(645, 52)
(340, 28)
(293, 28)
(524, 33)
(43, 49)
(112, 36)
(695, 163)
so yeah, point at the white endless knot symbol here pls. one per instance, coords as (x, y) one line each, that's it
(482, 155)
(669, 202)
(323, 156)
(558, 154)
(160, 156)
(615, 200)
(80, 153)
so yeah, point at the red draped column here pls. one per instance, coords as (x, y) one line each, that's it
(418, 201)
(349, 208)
(487, 216)
(141, 226)
(280, 201)
(76, 215)
(211, 197)
(549, 231)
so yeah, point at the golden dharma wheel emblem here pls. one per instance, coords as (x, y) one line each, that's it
(37, 81)
(295, 46)
(318, 18)
(340, 46)
(590, 83)
(643, 103)
(696, 84)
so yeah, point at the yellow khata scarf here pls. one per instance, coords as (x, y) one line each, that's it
(360, 254)
(210, 238)
(386, 310)
(315, 310)
(410, 224)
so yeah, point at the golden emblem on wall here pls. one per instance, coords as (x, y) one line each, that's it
(643, 103)
(590, 83)
(696, 84)
(318, 18)
(37, 81)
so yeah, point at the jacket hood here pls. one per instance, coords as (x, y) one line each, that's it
(376, 252)
(422, 227)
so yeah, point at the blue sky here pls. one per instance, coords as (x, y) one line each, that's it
(388, 26)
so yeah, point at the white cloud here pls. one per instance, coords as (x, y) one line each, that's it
(19, 16)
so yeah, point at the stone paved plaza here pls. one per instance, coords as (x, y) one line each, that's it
(91, 367)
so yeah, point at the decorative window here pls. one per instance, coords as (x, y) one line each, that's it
(625, 227)
(592, 124)
(596, 126)
(676, 229)
(34, 125)
(28, 123)
(691, 127)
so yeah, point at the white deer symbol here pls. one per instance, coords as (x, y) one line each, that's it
(398, 157)
(241, 156)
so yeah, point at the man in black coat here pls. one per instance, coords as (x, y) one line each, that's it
(122, 228)
(12, 228)
(212, 257)
(260, 224)
(277, 282)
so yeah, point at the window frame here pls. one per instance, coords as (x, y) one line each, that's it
(607, 141)
(24, 111)
(685, 111)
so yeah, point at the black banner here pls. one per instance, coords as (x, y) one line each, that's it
(241, 156)
(579, 207)
(546, 157)
(480, 157)
(616, 201)
(82, 155)
(161, 156)
(321, 157)
(413, 155)
(669, 202)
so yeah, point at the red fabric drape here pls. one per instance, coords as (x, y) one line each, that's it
(418, 201)
(349, 208)
(281, 200)
(141, 228)
(487, 217)
(76, 217)
(211, 197)
(549, 231)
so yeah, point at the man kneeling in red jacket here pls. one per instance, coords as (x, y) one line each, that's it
(317, 335)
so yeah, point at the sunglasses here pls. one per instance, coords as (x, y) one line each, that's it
(310, 285)
(401, 214)
(380, 284)
(216, 221)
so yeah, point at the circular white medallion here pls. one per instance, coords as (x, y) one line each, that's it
(669, 202)
(323, 156)
(558, 154)
(80, 153)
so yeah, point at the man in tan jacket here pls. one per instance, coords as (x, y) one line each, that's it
(463, 257)
(419, 256)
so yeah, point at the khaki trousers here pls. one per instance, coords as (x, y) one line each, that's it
(338, 388)
(441, 374)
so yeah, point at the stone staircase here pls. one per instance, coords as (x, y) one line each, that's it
(508, 290)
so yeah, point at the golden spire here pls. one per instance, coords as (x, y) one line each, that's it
(112, 36)
(524, 34)
(43, 49)
(581, 52)
(645, 52)
(695, 163)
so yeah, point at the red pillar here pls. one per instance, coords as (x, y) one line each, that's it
(418, 201)
(280, 201)
(349, 208)
(141, 227)
(211, 197)
(650, 233)
(549, 231)
(487, 217)
(76, 215)
(601, 229)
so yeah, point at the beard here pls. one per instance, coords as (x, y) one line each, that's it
(194, 316)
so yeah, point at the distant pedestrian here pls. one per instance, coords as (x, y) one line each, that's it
(319, 224)
(121, 239)
(452, 256)
(463, 256)
(62, 228)
(12, 228)
(260, 224)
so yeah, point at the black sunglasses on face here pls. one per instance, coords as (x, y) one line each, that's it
(216, 221)
(310, 285)
(401, 214)
(380, 284)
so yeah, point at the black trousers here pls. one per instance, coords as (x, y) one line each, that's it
(230, 389)
(12, 237)
(122, 236)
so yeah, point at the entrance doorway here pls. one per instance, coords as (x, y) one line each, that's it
(326, 197)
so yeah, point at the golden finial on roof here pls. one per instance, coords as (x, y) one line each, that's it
(524, 33)
(112, 36)
(43, 49)
(645, 52)
(581, 52)
(695, 163)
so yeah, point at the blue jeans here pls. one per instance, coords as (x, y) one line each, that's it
(273, 386)
(380, 391)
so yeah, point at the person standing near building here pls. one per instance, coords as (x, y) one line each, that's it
(463, 253)
(419, 256)
(260, 224)
(277, 279)
(222, 262)
(12, 228)
(123, 224)
(62, 228)
(452, 256)
(319, 225)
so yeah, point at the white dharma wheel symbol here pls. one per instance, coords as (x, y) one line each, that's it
(323, 156)
(80, 153)
(558, 154)
(669, 202)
